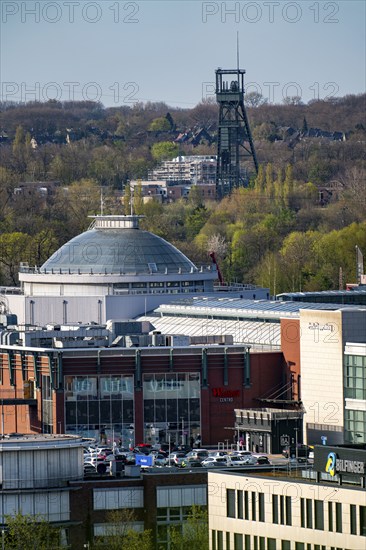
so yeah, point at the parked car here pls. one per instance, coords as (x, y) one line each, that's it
(197, 454)
(218, 453)
(160, 459)
(177, 459)
(246, 456)
(242, 453)
(262, 459)
(215, 462)
(237, 460)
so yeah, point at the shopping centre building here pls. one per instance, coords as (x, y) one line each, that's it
(133, 394)
(83, 375)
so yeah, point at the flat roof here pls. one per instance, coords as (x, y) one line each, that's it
(242, 308)
(358, 292)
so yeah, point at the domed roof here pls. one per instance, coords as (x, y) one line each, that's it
(116, 245)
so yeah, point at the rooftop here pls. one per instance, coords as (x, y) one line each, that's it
(243, 309)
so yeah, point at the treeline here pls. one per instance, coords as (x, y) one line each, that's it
(274, 233)
(73, 140)
(309, 191)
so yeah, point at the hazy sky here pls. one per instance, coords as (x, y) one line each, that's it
(120, 52)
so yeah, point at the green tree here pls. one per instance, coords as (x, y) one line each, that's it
(84, 199)
(120, 535)
(288, 184)
(259, 183)
(193, 533)
(269, 180)
(299, 258)
(254, 99)
(42, 246)
(127, 199)
(19, 150)
(160, 124)
(31, 532)
(195, 220)
(14, 248)
(138, 200)
(164, 150)
(278, 187)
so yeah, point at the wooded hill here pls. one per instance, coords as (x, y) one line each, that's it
(295, 225)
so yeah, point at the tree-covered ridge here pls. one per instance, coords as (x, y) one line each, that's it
(292, 228)
(73, 140)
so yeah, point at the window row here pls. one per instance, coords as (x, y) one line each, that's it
(237, 541)
(98, 387)
(314, 514)
(250, 505)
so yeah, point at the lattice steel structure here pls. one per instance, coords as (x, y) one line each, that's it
(235, 144)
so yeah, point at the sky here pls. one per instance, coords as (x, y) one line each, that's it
(121, 52)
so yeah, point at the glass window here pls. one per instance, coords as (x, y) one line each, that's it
(288, 511)
(238, 541)
(309, 514)
(282, 510)
(246, 505)
(162, 513)
(319, 514)
(240, 504)
(338, 517)
(230, 503)
(261, 507)
(363, 521)
(330, 516)
(254, 515)
(274, 508)
(220, 540)
(100, 406)
(353, 519)
(213, 539)
(302, 512)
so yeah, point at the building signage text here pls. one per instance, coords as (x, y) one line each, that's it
(337, 465)
(226, 396)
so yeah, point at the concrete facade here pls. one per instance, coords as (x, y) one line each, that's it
(323, 337)
(249, 511)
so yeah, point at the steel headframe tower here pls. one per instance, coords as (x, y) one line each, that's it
(235, 144)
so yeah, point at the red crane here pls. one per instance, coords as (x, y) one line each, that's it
(214, 261)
